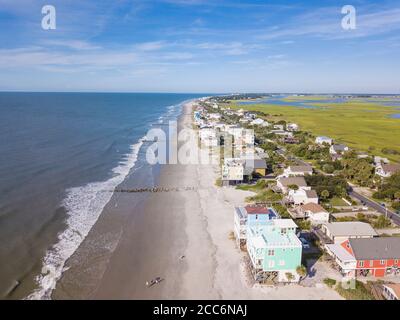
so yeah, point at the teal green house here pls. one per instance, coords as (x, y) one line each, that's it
(275, 251)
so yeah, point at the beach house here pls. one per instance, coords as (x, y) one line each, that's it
(292, 127)
(283, 184)
(275, 251)
(232, 171)
(337, 149)
(337, 232)
(250, 216)
(391, 291)
(386, 170)
(301, 196)
(376, 257)
(293, 171)
(313, 212)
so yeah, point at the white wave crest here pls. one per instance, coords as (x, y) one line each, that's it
(84, 206)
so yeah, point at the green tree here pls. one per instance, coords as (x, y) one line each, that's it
(301, 271)
(325, 194)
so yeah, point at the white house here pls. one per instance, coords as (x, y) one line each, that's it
(292, 127)
(279, 127)
(215, 116)
(301, 196)
(336, 149)
(322, 139)
(284, 183)
(386, 170)
(314, 212)
(259, 122)
(294, 171)
(338, 232)
(391, 291)
(232, 171)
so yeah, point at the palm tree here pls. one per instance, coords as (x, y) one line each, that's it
(325, 194)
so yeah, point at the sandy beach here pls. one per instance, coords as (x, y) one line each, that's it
(181, 236)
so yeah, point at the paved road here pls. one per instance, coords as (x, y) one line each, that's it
(372, 204)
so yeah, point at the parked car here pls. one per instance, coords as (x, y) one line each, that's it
(304, 243)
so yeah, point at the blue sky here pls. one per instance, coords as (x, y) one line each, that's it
(200, 46)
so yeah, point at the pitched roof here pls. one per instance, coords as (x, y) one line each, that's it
(313, 207)
(311, 194)
(299, 181)
(391, 167)
(395, 288)
(260, 164)
(339, 147)
(256, 209)
(376, 248)
(350, 228)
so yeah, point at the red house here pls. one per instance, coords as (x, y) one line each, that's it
(372, 256)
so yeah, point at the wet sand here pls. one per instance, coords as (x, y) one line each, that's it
(181, 236)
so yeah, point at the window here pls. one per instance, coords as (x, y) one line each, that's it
(382, 262)
(271, 252)
(396, 261)
(371, 263)
(361, 264)
(348, 245)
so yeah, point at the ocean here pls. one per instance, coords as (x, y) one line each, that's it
(62, 155)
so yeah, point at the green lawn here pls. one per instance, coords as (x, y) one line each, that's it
(360, 125)
(337, 202)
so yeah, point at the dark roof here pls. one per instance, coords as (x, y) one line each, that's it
(376, 248)
(339, 147)
(260, 164)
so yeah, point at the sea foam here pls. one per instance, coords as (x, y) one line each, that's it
(84, 206)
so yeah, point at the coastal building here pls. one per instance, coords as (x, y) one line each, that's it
(250, 216)
(301, 196)
(282, 133)
(279, 127)
(294, 171)
(283, 184)
(291, 140)
(337, 232)
(377, 257)
(338, 149)
(312, 211)
(323, 140)
(254, 165)
(215, 116)
(275, 251)
(208, 137)
(292, 127)
(387, 170)
(391, 291)
(232, 171)
(259, 122)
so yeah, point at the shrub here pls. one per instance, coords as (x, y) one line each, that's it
(330, 282)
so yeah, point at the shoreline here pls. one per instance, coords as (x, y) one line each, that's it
(151, 238)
